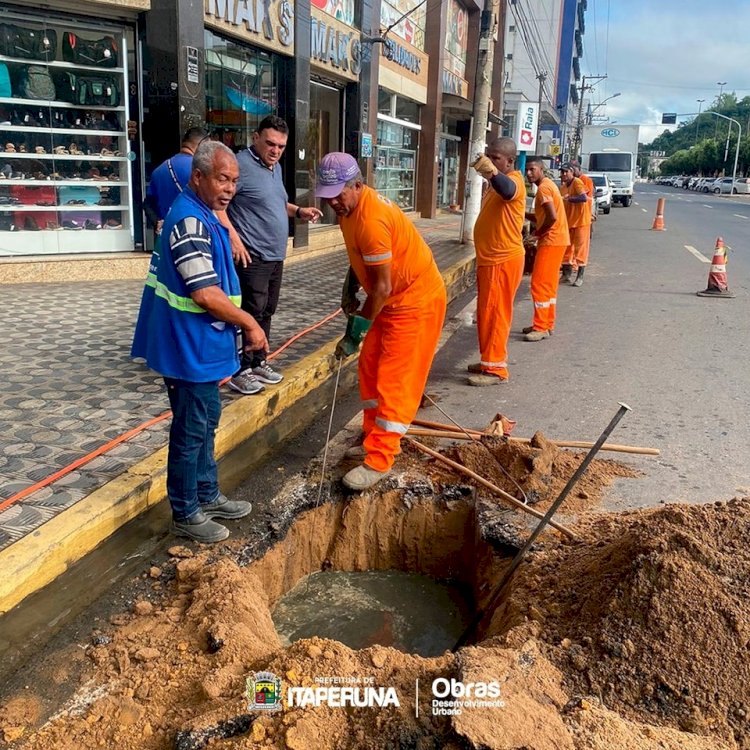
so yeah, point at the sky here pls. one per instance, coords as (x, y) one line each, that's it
(664, 55)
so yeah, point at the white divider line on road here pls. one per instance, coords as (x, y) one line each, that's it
(740, 216)
(645, 211)
(635, 203)
(702, 258)
(705, 205)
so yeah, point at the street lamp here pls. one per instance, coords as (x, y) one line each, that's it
(721, 85)
(739, 138)
(700, 104)
(601, 104)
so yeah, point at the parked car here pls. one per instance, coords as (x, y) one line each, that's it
(742, 186)
(724, 185)
(706, 185)
(603, 190)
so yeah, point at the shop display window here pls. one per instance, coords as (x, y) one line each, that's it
(396, 163)
(242, 87)
(65, 176)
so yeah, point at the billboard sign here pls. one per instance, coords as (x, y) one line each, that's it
(527, 122)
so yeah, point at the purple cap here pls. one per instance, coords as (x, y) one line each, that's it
(334, 171)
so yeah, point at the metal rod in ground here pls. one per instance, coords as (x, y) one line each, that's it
(328, 436)
(518, 559)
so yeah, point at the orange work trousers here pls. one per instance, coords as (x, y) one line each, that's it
(577, 253)
(393, 367)
(544, 281)
(497, 286)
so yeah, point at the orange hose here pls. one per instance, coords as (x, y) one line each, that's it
(140, 428)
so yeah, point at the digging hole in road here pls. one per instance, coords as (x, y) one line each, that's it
(598, 644)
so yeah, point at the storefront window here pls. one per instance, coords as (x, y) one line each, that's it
(407, 110)
(324, 134)
(396, 162)
(66, 162)
(448, 170)
(242, 85)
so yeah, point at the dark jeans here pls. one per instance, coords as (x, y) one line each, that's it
(192, 477)
(260, 283)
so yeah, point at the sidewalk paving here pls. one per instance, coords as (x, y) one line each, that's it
(69, 389)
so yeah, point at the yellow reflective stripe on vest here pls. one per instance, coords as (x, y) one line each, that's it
(186, 304)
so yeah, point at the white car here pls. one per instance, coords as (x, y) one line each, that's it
(603, 190)
(742, 185)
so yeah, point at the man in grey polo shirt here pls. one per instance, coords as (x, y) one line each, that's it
(260, 212)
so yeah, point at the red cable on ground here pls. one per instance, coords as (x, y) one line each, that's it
(140, 428)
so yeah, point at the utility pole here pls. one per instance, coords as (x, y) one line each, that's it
(542, 77)
(478, 141)
(574, 152)
(700, 104)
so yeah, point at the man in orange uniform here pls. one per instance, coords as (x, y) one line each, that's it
(404, 310)
(552, 239)
(500, 256)
(588, 184)
(578, 214)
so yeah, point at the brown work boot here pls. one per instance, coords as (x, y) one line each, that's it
(363, 477)
(536, 335)
(567, 273)
(356, 451)
(485, 379)
(475, 367)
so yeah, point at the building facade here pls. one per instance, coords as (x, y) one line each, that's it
(96, 93)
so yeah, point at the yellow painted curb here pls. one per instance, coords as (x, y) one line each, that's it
(41, 556)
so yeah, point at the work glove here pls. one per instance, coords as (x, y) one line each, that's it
(485, 167)
(349, 301)
(356, 328)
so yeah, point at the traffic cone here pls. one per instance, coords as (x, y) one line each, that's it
(717, 276)
(659, 218)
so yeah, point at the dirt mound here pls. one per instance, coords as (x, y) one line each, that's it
(537, 472)
(650, 612)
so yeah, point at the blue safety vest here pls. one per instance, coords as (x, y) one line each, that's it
(176, 337)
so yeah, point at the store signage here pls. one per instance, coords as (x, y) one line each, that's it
(268, 23)
(397, 53)
(454, 84)
(527, 118)
(335, 46)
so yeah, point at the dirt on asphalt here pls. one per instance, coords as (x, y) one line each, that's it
(634, 636)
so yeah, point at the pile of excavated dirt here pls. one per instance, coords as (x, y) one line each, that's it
(633, 637)
(650, 612)
(536, 472)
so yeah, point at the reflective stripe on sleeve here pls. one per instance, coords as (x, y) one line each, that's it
(376, 258)
(371, 403)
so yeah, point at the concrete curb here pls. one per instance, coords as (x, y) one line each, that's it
(38, 558)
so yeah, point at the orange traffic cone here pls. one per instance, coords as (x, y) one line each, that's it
(659, 218)
(717, 276)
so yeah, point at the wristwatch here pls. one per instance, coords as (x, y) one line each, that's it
(297, 212)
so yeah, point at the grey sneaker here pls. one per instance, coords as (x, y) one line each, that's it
(535, 335)
(485, 379)
(200, 528)
(246, 383)
(222, 507)
(266, 374)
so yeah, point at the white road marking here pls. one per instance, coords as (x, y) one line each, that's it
(740, 216)
(636, 204)
(702, 258)
(644, 210)
(705, 205)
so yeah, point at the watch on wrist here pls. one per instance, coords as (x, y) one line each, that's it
(297, 212)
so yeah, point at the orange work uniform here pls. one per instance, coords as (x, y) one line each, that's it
(579, 223)
(550, 249)
(500, 255)
(399, 347)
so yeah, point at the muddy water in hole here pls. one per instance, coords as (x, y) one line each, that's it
(407, 611)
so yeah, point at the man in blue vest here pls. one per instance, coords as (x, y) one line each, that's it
(189, 336)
